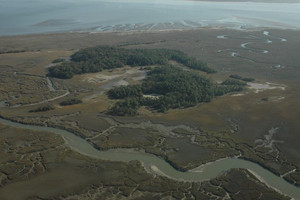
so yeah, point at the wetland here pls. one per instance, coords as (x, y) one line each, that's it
(158, 110)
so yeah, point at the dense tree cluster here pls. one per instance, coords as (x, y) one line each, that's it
(229, 85)
(128, 107)
(125, 91)
(178, 88)
(96, 59)
(65, 70)
(242, 78)
(175, 87)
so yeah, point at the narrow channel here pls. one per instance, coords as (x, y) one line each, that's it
(208, 171)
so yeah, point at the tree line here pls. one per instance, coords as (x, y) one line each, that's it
(96, 59)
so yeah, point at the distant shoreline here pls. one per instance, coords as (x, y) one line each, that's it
(251, 1)
(131, 32)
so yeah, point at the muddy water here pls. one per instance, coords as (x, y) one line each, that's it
(205, 172)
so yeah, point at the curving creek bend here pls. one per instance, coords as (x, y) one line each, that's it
(157, 165)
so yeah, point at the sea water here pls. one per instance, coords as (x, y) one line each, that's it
(41, 16)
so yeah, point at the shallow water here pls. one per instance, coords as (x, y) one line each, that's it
(38, 16)
(209, 171)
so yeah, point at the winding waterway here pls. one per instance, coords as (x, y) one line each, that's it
(205, 172)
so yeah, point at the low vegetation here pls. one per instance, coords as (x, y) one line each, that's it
(43, 108)
(231, 81)
(13, 51)
(70, 102)
(242, 78)
(58, 60)
(96, 59)
(47, 150)
(173, 88)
